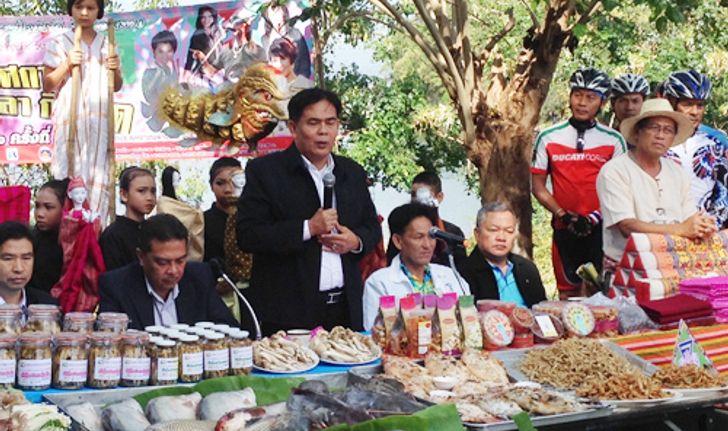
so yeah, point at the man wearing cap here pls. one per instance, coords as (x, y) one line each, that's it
(641, 191)
(572, 152)
(703, 154)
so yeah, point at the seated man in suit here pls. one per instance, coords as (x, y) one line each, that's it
(410, 270)
(163, 288)
(492, 271)
(16, 267)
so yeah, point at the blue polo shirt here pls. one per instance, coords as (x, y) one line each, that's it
(507, 287)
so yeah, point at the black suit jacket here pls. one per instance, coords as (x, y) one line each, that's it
(279, 195)
(37, 296)
(479, 275)
(124, 290)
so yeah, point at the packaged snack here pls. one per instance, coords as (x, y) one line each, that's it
(417, 298)
(553, 308)
(522, 320)
(35, 361)
(135, 359)
(504, 307)
(216, 356)
(104, 360)
(522, 340)
(446, 334)
(191, 359)
(385, 319)
(578, 320)
(547, 328)
(165, 363)
(497, 330)
(418, 326)
(397, 340)
(472, 333)
(606, 321)
(70, 361)
(241, 353)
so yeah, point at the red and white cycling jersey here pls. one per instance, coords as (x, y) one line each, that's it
(574, 173)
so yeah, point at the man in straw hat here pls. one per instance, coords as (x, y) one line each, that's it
(642, 191)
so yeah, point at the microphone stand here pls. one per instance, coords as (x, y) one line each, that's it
(258, 332)
(451, 260)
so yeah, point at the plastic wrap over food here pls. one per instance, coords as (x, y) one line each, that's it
(173, 408)
(126, 415)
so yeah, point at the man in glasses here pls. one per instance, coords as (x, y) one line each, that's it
(572, 152)
(645, 192)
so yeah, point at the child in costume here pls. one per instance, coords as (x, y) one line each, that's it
(94, 60)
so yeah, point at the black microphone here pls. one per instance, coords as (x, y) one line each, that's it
(329, 180)
(448, 237)
(217, 269)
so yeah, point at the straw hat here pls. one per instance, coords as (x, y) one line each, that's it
(658, 108)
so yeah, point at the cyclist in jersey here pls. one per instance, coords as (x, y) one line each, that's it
(571, 153)
(629, 91)
(702, 155)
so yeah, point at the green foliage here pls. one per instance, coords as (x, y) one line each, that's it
(395, 129)
(154, 4)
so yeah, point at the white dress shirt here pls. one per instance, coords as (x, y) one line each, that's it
(332, 270)
(165, 312)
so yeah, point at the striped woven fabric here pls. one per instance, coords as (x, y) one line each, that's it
(657, 347)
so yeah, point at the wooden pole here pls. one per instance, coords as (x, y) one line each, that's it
(111, 122)
(75, 89)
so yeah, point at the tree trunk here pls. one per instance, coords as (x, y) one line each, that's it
(318, 59)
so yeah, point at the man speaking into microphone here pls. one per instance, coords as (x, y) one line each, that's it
(307, 217)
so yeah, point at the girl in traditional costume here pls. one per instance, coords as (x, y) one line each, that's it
(93, 59)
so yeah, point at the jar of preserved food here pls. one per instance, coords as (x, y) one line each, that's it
(204, 325)
(174, 335)
(43, 318)
(135, 359)
(241, 353)
(104, 360)
(190, 359)
(221, 328)
(165, 363)
(35, 362)
(216, 356)
(8, 362)
(79, 322)
(179, 326)
(200, 332)
(10, 315)
(70, 361)
(112, 322)
(153, 330)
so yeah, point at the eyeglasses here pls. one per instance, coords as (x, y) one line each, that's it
(666, 130)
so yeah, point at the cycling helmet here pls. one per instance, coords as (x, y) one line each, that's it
(630, 83)
(590, 79)
(688, 84)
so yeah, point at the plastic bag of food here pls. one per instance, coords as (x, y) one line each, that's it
(397, 339)
(547, 328)
(606, 315)
(497, 330)
(578, 320)
(386, 316)
(429, 303)
(418, 326)
(472, 334)
(446, 337)
(632, 318)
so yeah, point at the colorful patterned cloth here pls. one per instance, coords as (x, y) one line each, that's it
(657, 346)
(15, 204)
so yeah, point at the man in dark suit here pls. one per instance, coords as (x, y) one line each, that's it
(305, 270)
(163, 288)
(16, 267)
(491, 270)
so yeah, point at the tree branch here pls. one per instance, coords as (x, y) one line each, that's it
(588, 13)
(531, 13)
(485, 53)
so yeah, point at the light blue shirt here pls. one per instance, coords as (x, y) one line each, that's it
(165, 312)
(507, 287)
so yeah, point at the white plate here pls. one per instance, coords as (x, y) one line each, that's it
(351, 364)
(643, 402)
(302, 370)
(700, 392)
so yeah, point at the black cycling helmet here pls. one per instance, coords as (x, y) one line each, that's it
(590, 79)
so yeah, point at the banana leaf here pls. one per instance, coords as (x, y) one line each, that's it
(435, 418)
(267, 390)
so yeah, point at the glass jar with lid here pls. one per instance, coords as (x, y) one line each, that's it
(104, 360)
(216, 355)
(190, 359)
(204, 325)
(112, 322)
(10, 317)
(8, 360)
(79, 322)
(179, 326)
(70, 361)
(241, 353)
(135, 359)
(165, 363)
(43, 318)
(221, 328)
(35, 362)
(153, 329)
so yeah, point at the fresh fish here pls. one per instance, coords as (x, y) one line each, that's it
(379, 404)
(184, 425)
(125, 415)
(173, 408)
(217, 404)
(87, 415)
